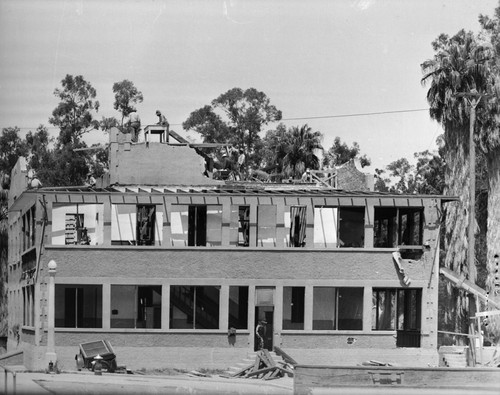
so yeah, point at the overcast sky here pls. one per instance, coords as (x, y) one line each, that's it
(322, 58)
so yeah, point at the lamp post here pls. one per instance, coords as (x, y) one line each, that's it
(50, 356)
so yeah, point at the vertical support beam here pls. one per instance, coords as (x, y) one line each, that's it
(167, 223)
(308, 308)
(106, 306)
(280, 224)
(224, 307)
(367, 308)
(278, 315)
(226, 222)
(369, 223)
(50, 355)
(253, 223)
(165, 306)
(106, 222)
(251, 315)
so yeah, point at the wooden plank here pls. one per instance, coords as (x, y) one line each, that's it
(241, 372)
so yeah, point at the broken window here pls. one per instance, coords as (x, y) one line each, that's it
(266, 226)
(146, 225)
(134, 306)
(398, 226)
(136, 224)
(339, 227)
(295, 221)
(238, 307)
(77, 224)
(337, 308)
(194, 307)
(78, 306)
(396, 309)
(293, 307)
(240, 226)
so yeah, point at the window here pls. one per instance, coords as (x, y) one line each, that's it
(135, 306)
(136, 224)
(29, 228)
(396, 309)
(339, 227)
(240, 226)
(295, 222)
(78, 306)
(196, 225)
(293, 307)
(398, 226)
(77, 224)
(266, 226)
(194, 307)
(238, 307)
(337, 308)
(29, 305)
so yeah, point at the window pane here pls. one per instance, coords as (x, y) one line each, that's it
(78, 306)
(214, 225)
(293, 307)
(297, 233)
(238, 307)
(350, 308)
(385, 227)
(384, 309)
(146, 215)
(123, 224)
(325, 227)
(266, 226)
(149, 307)
(123, 306)
(194, 307)
(179, 225)
(324, 303)
(77, 224)
(352, 226)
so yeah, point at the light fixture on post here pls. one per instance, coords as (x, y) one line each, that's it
(50, 356)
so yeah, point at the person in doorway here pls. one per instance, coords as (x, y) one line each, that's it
(260, 331)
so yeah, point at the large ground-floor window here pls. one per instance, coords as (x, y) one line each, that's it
(194, 307)
(135, 306)
(78, 306)
(337, 308)
(238, 307)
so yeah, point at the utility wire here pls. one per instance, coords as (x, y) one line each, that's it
(361, 114)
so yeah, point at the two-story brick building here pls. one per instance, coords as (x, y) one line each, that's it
(161, 261)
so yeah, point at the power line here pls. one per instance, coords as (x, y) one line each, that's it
(360, 114)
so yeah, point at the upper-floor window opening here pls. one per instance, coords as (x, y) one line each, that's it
(266, 226)
(196, 225)
(295, 222)
(136, 224)
(243, 226)
(398, 226)
(339, 227)
(77, 224)
(29, 228)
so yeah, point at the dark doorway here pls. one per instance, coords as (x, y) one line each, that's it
(264, 313)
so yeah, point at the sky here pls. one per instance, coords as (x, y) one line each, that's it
(323, 63)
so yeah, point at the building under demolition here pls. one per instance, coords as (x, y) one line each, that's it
(175, 269)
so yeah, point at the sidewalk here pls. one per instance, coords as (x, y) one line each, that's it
(112, 383)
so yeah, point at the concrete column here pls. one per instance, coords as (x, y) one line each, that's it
(251, 316)
(308, 308)
(224, 307)
(106, 306)
(50, 355)
(165, 306)
(367, 308)
(278, 315)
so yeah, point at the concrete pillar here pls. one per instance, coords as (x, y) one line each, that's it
(367, 308)
(308, 308)
(224, 307)
(106, 306)
(50, 355)
(165, 306)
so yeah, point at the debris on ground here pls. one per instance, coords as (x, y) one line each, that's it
(264, 368)
(373, 362)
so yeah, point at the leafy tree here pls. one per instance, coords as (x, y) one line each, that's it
(107, 123)
(340, 153)
(74, 116)
(403, 172)
(126, 97)
(458, 67)
(381, 181)
(11, 148)
(74, 113)
(235, 117)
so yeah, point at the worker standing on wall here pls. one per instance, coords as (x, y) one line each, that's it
(134, 125)
(162, 120)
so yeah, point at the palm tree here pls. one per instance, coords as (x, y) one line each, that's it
(300, 146)
(459, 67)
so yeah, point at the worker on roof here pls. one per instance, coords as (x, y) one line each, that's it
(133, 123)
(162, 120)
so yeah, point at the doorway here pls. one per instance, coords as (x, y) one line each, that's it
(264, 311)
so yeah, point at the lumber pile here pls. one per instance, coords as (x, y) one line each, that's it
(265, 368)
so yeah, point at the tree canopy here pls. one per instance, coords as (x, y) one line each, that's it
(126, 97)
